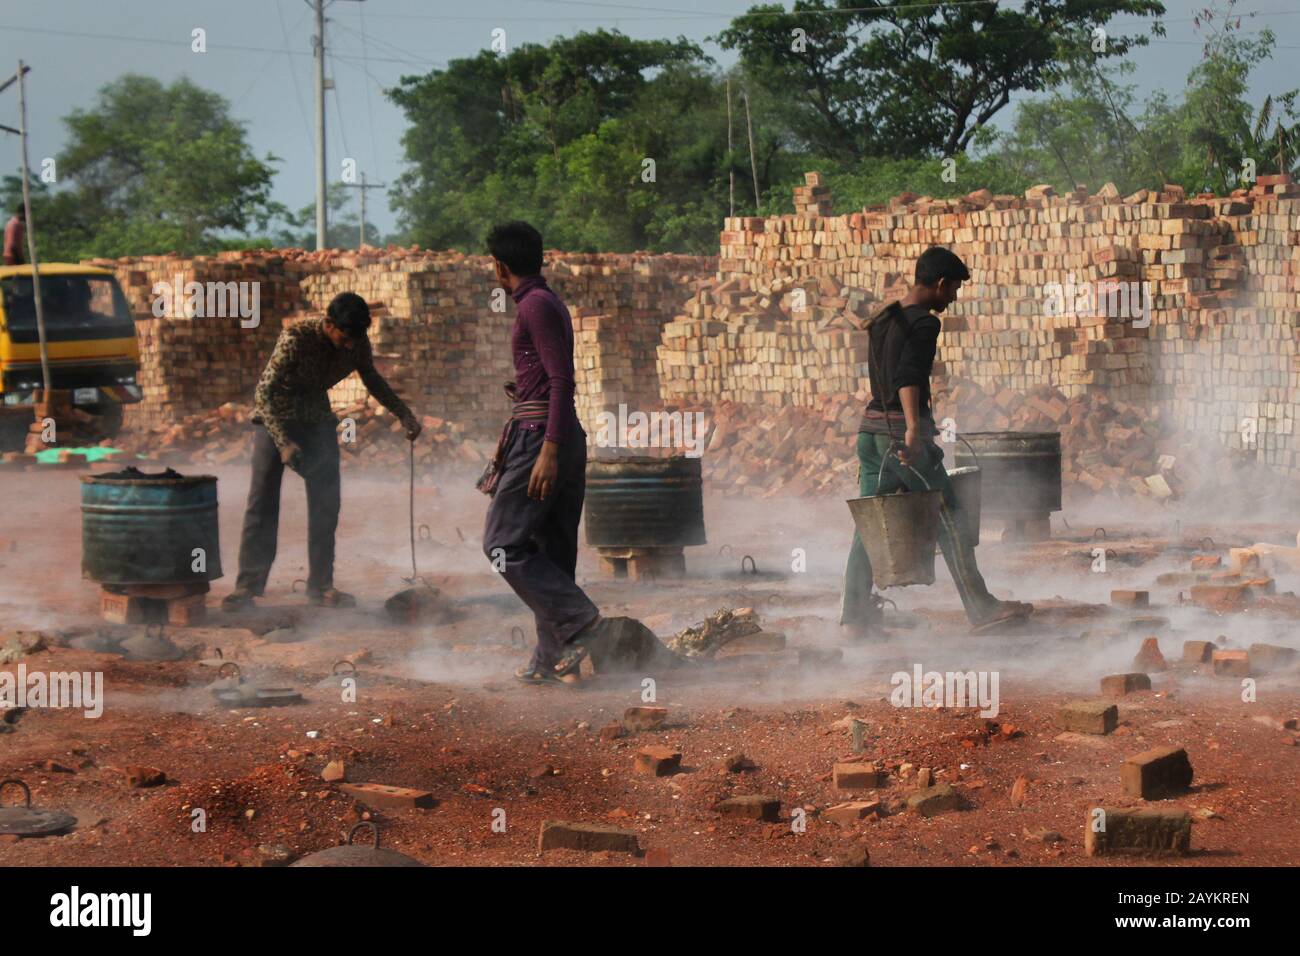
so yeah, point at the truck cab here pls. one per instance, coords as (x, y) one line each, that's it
(90, 339)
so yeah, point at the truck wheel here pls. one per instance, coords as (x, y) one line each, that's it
(13, 431)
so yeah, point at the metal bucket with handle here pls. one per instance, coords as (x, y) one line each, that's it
(899, 532)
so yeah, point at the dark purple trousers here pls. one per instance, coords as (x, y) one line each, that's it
(535, 543)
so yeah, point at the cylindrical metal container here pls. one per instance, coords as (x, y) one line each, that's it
(966, 487)
(645, 503)
(1020, 471)
(149, 529)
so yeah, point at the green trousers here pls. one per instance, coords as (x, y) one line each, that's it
(859, 606)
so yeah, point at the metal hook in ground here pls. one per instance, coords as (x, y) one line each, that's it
(364, 824)
(27, 791)
(753, 565)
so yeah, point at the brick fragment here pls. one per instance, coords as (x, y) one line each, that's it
(1117, 685)
(138, 776)
(1221, 597)
(1088, 716)
(847, 814)
(934, 800)
(1145, 832)
(1198, 652)
(1155, 773)
(121, 608)
(1243, 559)
(857, 776)
(385, 797)
(853, 855)
(657, 761)
(751, 807)
(1130, 598)
(1272, 657)
(1231, 663)
(644, 718)
(588, 837)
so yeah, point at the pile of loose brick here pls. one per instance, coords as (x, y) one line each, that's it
(1108, 448)
(370, 438)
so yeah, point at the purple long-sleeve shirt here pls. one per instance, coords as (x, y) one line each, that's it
(542, 343)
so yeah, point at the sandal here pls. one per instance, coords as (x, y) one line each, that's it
(237, 600)
(331, 597)
(1003, 612)
(537, 676)
(577, 650)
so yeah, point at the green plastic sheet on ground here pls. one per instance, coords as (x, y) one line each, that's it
(50, 456)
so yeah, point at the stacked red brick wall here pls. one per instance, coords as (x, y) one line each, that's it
(441, 331)
(193, 360)
(1217, 347)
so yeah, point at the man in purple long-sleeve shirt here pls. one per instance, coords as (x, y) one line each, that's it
(531, 532)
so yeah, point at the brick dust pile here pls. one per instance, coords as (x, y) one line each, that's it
(781, 744)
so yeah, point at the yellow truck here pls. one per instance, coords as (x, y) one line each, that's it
(90, 338)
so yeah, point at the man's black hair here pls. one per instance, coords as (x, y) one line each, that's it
(939, 263)
(349, 314)
(518, 245)
(20, 211)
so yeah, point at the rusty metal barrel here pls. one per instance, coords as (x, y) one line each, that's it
(149, 529)
(1020, 472)
(642, 502)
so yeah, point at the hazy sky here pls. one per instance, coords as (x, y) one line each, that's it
(259, 59)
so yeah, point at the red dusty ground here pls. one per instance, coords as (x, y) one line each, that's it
(436, 709)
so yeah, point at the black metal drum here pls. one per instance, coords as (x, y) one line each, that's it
(645, 503)
(1020, 472)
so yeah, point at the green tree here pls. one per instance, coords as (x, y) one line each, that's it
(868, 78)
(153, 168)
(559, 134)
(1217, 125)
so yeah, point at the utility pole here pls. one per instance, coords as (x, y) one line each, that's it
(363, 186)
(731, 167)
(318, 48)
(29, 224)
(753, 163)
(322, 84)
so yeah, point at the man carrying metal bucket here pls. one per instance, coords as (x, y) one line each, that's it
(897, 450)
